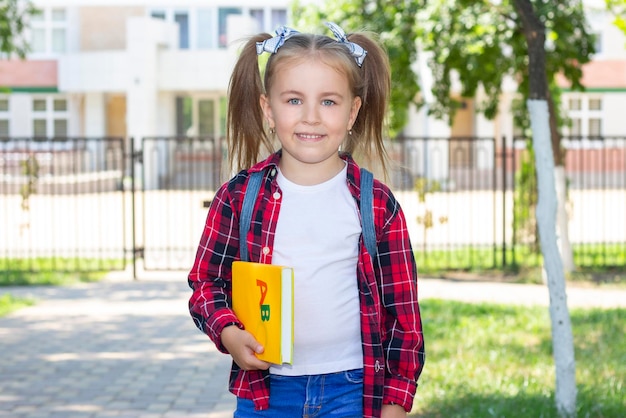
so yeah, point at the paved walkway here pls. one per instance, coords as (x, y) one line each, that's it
(123, 348)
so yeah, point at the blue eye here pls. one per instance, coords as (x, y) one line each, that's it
(328, 102)
(294, 101)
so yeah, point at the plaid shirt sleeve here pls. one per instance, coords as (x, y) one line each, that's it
(396, 273)
(210, 276)
(210, 305)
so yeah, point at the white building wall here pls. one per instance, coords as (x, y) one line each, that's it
(20, 106)
(166, 113)
(95, 114)
(101, 71)
(614, 105)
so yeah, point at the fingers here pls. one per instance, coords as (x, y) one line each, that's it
(243, 348)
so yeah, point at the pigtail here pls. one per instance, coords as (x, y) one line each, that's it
(368, 135)
(245, 131)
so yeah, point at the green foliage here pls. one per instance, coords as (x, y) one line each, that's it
(618, 9)
(487, 360)
(30, 169)
(526, 197)
(481, 43)
(14, 15)
(424, 186)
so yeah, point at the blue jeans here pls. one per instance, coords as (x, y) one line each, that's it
(326, 395)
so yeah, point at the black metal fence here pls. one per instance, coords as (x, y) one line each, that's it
(94, 204)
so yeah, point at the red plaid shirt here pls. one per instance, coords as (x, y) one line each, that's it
(391, 328)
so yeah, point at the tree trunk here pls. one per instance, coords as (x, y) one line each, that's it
(567, 255)
(562, 338)
(562, 218)
(538, 107)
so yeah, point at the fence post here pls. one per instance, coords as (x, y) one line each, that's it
(134, 156)
(504, 180)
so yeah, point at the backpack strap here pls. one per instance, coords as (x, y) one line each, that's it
(367, 212)
(249, 198)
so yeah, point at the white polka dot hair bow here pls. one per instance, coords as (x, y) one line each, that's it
(271, 45)
(355, 50)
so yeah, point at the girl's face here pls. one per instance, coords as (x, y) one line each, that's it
(311, 106)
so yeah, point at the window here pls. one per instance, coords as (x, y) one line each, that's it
(279, 18)
(60, 127)
(595, 127)
(4, 128)
(4, 117)
(48, 33)
(38, 33)
(158, 14)
(598, 42)
(203, 116)
(50, 116)
(184, 115)
(206, 117)
(585, 115)
(595, 104)
(60, 105)
(258, 16)
(574, 104)
(182, 18)
(223, 14)
(205, 29)
(39, 105)
(58, 30)
(39, 128)
(576, 128)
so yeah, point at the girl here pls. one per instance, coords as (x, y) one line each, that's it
(358, 347)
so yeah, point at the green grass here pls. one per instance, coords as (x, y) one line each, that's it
(53, 271)
(595, 263)
(485, 360)
(9, 303)
(41, 272)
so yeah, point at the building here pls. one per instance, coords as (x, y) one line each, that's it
(133, 69)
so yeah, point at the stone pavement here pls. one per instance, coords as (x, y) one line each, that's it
(117, 348)
(124, 348)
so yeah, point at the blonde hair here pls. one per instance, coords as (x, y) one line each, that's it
(245, 131)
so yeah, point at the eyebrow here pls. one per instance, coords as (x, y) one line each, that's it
(299, 93)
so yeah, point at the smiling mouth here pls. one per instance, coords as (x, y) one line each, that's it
(310, 137)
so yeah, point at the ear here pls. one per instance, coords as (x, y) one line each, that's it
(354, 111)
(267, 110)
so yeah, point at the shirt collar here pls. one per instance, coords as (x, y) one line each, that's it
(271, 162)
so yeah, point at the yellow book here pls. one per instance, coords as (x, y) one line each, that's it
(263, 302)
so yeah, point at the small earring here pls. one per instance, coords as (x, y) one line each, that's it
(350, 132)
(272, 131)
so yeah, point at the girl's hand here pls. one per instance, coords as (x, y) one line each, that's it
(242, 346)
(393, 411)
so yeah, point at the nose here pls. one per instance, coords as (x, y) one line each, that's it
(311, 114)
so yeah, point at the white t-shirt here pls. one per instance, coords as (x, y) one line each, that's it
(317, 234)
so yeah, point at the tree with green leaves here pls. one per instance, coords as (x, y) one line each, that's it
(534, 32)
(480, 43)
(14, 15)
